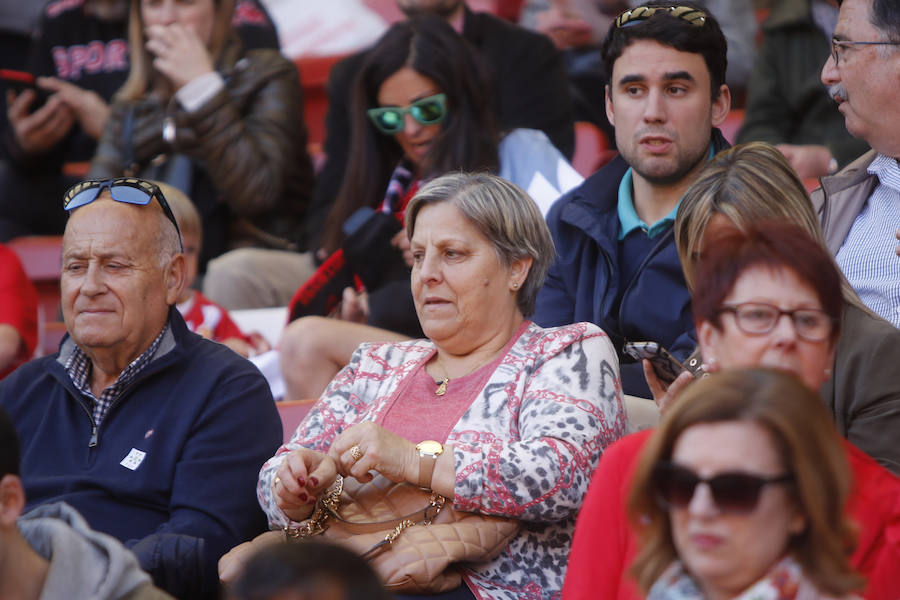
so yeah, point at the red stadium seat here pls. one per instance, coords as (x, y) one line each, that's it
(41, 257)
(314, 71)
(592, 149)
(291, 413)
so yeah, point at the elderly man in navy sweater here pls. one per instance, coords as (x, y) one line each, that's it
(153, 433)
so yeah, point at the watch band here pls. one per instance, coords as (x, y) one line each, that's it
(429, 451)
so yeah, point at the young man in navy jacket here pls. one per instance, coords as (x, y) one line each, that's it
(616, 264)
(154, 434)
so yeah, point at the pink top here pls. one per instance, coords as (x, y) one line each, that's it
(416, 413)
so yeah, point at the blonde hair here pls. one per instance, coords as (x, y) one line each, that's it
(808, 445)
(504, 213)
(141, 76)
(184, 210)
(746, 183)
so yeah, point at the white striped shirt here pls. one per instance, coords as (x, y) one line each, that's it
(867, 255)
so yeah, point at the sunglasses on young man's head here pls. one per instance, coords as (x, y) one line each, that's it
(732, 492)
(430, 110)
(129, 190)
(642, 13)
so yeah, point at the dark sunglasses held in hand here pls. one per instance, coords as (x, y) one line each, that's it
(129, 190)
(733, 492)
(430, 110)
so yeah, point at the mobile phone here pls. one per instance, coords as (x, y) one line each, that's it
(19, 81)
(665, 366)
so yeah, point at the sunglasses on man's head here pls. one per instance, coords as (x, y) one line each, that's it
(732, 492)
(129, 190)
(642, 13)
(430, 110)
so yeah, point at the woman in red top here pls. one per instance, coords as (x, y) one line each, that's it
(745, 283)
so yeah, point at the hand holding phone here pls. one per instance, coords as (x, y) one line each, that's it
(20, 81)
(38, 127)
(665, 366)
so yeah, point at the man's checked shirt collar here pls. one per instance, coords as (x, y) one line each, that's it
(79, 369)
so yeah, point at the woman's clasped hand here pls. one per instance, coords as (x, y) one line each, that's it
(359, 452)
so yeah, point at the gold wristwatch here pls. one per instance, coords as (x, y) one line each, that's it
(429, 450)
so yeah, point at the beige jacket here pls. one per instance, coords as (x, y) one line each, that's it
(841, 197)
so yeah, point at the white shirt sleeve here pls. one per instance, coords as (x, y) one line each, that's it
(199, 91)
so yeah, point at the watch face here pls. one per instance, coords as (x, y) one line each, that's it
(430, 447)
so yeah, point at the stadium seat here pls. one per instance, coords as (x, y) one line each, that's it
(291, 413)
(41, 257)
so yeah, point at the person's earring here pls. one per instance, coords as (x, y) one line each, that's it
(516, 285)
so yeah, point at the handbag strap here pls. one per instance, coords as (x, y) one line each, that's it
(328, 507)
(424, 515)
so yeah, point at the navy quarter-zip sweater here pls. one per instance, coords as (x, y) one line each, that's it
(202, 416)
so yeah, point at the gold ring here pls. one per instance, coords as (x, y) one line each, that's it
(355, 453)
(277, 481)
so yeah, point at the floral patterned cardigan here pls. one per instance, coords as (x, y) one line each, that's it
(526, 447)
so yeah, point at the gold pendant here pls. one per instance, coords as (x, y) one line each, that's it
(442, 387)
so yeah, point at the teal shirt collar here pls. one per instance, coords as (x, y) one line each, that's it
(628, 217)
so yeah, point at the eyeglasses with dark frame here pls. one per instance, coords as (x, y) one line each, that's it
(836, 43)
(430, 110)
(642, 13)
(732, 491)
(128, 190)
(759, 318)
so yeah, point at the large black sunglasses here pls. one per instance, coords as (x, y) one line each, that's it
(733, 492)
(129, 190)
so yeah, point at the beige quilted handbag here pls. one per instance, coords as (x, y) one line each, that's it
(412, 537)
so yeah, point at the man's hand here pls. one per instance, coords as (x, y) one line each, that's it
(180, 55)
(41, 130)
(809, 161)
(88, 107)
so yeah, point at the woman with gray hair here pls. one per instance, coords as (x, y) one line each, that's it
(501, 416)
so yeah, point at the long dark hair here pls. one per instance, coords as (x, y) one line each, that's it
(468, 137)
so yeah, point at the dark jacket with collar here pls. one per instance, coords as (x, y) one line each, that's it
(583, 283)
(786, 101)
(203, 416)
(531, 90)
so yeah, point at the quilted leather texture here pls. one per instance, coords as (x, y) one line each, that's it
(421, 559)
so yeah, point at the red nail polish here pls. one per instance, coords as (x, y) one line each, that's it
(314, 481)
(301, 481)
(303, 497)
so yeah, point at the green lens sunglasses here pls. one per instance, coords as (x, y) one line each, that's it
(430, 110)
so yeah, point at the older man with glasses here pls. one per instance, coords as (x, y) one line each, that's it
(153, 433)
(860, 206)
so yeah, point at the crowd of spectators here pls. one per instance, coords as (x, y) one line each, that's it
(467, 314)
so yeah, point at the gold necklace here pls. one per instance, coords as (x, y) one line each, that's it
(445, 380)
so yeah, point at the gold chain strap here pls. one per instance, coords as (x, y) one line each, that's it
(331, 502)
(317, 523)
